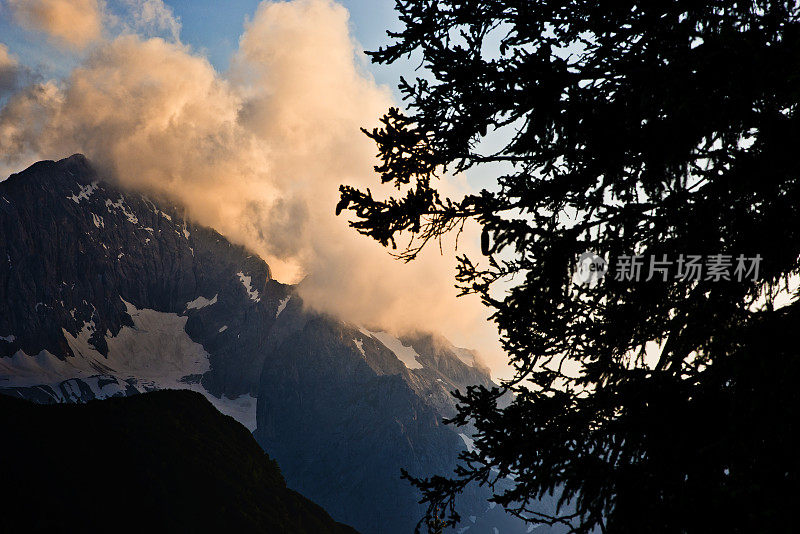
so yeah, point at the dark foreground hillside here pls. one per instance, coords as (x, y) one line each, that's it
(165, 461)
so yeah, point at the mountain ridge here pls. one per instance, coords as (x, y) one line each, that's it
(109, 293)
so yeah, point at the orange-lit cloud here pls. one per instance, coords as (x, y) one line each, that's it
(73, 22)
(257, 153)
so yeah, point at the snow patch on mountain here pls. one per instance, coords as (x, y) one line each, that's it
(8, 339)
(22, 370)
(156, 348)
(242, 408)
(120, 205)
(156, 353)
(364, 331)
(281, 305)
(468, 441)
(201, 302)
(405, 354)
(246, 282)
(105, 387)
(84, 193)
(465, 355)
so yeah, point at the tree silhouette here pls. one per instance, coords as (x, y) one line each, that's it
(661, 136)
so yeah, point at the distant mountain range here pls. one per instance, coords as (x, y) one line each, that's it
(106, 293)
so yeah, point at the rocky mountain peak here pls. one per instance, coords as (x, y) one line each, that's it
(106, 292)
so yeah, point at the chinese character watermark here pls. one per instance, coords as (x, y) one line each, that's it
(592, 268)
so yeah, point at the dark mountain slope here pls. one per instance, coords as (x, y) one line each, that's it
(105, 293)
(343, 415)
(322, 403)
(166, 461)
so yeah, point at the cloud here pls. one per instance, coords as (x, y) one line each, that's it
(13, 75)
(257, 153)
(9, 71)
(152, 18)
(73, 22)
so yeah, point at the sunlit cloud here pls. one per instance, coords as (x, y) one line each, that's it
(76, 23)
(258, 153)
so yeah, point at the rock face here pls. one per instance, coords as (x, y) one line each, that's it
(165, 461)
(108, 293)
(77, 249)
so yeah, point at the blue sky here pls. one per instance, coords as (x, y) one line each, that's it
(213, 28)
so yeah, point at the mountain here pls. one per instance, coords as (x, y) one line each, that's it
(105, 284)
(105, 293)
(166, 458)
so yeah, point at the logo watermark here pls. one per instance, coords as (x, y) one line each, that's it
(591, 268)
